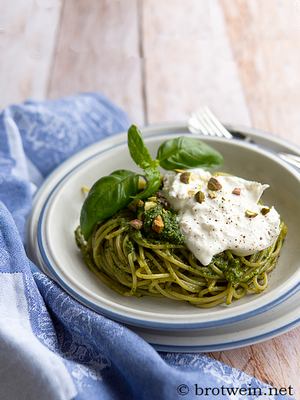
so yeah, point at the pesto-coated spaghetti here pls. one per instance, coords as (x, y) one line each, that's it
(166, 236)
(135, 265)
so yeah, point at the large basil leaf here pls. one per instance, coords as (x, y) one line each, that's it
(138, 151)
(107, 196)
(186, 152)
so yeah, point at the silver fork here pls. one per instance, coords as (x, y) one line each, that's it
(204, 122)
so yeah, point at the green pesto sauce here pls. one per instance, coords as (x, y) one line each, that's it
(232, 269)
(129, 247)
(171, 232)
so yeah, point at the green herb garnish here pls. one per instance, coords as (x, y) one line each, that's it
(114, 192)
(185, 152)
(107, 196)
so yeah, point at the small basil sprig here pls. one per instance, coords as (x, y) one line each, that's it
(141, 156)
(185, 152)
(137, 149)
(107, 196)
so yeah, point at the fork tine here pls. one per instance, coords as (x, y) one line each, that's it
(218, 124)
(195, 124)
(206, 125)
(213, 129)
(203, 121)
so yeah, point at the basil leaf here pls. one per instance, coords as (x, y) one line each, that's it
(152, 176)
(141, 156)
(138, 151)
(107, 196)
(186, 152)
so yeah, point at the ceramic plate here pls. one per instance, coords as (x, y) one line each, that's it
(56, 212)
(257, 329)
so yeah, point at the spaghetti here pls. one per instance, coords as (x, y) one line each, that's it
(134, 264)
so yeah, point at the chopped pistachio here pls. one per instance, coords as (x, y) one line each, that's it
(158, 224)
(179, 171)
(214, 184)
(185, 177)
(136, 224)
(200, 197)
(250, 214)
(139, 203)
(135, 204)
(211, 194)
(153, 198)
(236, 191)
(142, 183)
(265, 210)
(85, 189)
(149, 205)
(219, 173)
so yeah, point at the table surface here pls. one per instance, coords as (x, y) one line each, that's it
(160, 60)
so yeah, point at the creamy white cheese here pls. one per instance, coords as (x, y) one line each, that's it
(220, 223)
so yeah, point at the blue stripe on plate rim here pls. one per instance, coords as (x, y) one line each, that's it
(129, 320)
(230, 345)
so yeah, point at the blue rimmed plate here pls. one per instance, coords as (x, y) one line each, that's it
(56, 212)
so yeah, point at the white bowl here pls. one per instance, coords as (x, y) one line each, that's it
(59, 215)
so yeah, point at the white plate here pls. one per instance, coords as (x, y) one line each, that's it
(257, 329)
(55, 216)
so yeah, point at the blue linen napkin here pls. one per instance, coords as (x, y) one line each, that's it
(52, 347)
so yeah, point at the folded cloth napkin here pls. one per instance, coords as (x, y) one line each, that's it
(52, 347)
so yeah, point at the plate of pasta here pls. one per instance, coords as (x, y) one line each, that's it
(168, 231)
